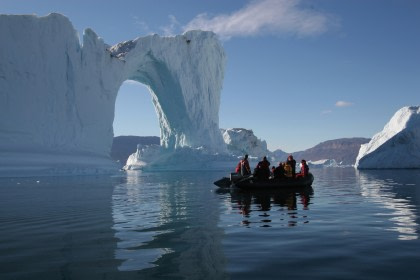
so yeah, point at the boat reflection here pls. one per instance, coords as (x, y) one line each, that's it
(267, 208)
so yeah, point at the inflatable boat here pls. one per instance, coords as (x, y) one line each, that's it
(251, 182)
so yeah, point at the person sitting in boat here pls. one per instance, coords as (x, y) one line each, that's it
(262, 170)
(243, 167)
(288, 170)
(279, 171)
(292, 163)
(304, 170)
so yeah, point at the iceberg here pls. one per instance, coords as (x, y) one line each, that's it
(241, 141)
(157, 158)
(323, 163)
(57, 96)
(396, 146)
(238, 141)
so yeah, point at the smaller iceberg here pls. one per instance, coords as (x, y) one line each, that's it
(240, 141)
(156, 157)
(396, 146)
(324, 163)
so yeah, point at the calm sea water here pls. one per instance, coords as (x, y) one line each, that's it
(178, 225)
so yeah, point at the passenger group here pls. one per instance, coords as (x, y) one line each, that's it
(283, 171)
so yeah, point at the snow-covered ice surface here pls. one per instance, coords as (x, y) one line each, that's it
(396, 146)
(57, 96)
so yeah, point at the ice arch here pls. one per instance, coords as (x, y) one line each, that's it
(184, 75)
(57, 97)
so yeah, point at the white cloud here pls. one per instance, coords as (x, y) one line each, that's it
(264, 16)
(325, 112)
(343, 104)
(172, 28)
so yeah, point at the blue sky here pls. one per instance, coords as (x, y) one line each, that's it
(297, 73)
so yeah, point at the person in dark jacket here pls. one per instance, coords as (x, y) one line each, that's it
(292, 163)
(262, 170)
(279, 171)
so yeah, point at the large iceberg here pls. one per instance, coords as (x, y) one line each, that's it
(396, 146)
(57, 97)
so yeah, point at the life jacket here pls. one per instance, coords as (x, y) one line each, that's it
(244, 167)
(238, 167)
(292, 164)
(288, 170)
(304, 170)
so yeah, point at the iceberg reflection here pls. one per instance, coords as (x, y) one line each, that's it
(390, 189)
(133, 224)
(166, 225)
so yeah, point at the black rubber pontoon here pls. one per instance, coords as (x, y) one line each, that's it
(253, 183)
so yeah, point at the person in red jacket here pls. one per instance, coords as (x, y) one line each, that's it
(304, 169)
(243, 167)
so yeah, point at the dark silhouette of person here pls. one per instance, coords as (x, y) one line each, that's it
(292, 163)
(262, 170)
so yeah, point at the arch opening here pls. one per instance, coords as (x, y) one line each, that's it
(135, 121)
(134, 115)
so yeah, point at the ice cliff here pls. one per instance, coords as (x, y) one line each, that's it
(396, 146)
(57, 96)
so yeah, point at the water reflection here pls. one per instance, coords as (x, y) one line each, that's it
(396, 191)
(267, 208)
(57, 228)
(166, 226)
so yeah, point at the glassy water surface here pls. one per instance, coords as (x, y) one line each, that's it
(177, 225)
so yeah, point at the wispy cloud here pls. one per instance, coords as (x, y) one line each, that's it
(262, 17)
(142, 26)
(325, 112)
(172, 28)
(343, 104)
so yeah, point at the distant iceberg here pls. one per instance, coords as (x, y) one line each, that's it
(324, 163)
(156, 157)
(241, 141)
(396, 146)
